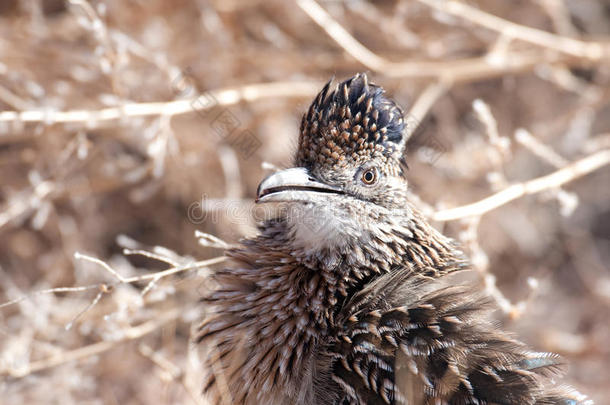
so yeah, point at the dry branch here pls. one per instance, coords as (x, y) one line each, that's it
(541, 150)
(134, 332)
(551, 181)
(591, 50)
(105, 288)
(423, 104)
(463, 70)
(223, 97)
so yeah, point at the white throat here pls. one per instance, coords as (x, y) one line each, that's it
(318, 228)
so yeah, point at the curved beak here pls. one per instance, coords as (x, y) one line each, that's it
(295, 184)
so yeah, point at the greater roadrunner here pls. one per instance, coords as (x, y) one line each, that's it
(342, 298)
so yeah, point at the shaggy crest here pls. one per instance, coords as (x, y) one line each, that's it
(355, 121)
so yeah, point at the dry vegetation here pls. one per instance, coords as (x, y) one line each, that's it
(125, 126)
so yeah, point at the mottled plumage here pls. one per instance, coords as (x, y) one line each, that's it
(346, 297)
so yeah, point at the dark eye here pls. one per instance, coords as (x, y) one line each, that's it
(370, 176)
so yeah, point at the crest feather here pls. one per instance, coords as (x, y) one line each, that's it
(353, 121)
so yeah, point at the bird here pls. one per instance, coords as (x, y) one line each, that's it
(345, 295)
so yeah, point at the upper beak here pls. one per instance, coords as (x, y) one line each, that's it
(294, 184)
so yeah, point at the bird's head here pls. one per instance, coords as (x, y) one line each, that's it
(348, 178)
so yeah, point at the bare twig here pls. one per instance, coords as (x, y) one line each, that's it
(140, 51)
(96, 25)
(568, 201)
(209, 240)
(134, 332)
(14, 100)
(106, 266)
(105, 288)
(222, 97)
(93, 303)
(111, 59)
(469, 237)
(539, 149)
(591, 50)
(151, 255)
(462, 70)
(155, 276)
(171, 372)
(341, 36)
(514, 311)
(159, 147)
(50, 291)
(565, 79)
(556, 179)
(500, 145)
(560, 15)
(484, 114)
(423, 104)
(480, 261)
(27, 201)
(498, 150)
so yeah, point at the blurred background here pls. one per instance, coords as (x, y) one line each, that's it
(127, 126)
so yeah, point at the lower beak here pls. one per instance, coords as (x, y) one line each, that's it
(294, 184)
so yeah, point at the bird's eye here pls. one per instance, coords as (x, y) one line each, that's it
(370, 176)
